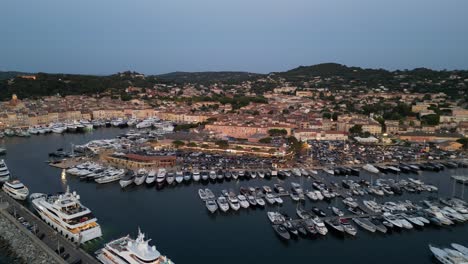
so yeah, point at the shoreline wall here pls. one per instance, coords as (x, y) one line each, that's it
(24, 244)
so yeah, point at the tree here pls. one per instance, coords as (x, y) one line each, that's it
(274, 132)
(211, 119)
(431, 120)
(295, 145)
(184, 127)
(191, 144)
(463, 141)
(285, 111)
(178, 143)
(125, 97)
(327, 115)
(222, 144)
(366, 134)
(266, 140)
(335, 116)
(356, 129)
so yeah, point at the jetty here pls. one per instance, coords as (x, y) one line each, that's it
(43, 238)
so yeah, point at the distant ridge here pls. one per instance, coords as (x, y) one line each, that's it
(334, 69)
(339, 76)
(208, 76)
(11, 74)
(322, 69)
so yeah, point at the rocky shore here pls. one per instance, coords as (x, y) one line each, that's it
(21, 245)
(7, 255)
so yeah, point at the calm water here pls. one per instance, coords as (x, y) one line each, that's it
(182, 228)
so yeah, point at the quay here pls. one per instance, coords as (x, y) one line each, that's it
(67, 163)
(28, 247)
(42, 235)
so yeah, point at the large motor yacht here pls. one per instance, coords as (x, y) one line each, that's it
(67, 215)
(4, 172)
(126, 250)
(16, 189)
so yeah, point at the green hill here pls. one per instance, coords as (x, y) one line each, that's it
(208, 77)
(11, 74)
(334, 69)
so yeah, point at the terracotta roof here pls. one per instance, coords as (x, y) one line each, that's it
(148, 158)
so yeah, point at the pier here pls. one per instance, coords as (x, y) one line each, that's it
(67, 163)
(44, 236)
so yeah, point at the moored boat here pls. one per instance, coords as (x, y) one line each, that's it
(16, 189)
(67, 215)
(131, 251)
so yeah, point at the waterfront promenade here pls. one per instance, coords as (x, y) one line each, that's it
(43, 235)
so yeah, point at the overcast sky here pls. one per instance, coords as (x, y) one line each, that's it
(159, 36)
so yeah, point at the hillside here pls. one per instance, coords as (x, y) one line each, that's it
(332, 76)
(208, 77)
(334, 69)
(70, 84)
(11, 74)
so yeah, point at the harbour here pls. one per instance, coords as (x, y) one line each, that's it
(175, 218)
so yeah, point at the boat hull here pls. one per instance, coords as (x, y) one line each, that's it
(82, 237)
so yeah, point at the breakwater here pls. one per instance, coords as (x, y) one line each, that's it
(25, 247)
(8, 255)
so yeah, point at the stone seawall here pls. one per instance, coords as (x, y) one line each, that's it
(24, 244)
(6, 254)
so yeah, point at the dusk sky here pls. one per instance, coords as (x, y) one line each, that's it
(159, 36)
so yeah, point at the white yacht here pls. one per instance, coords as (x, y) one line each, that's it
(179, 177)
(447, 257)
(370, 168)
(151, 178)
(161, 177)
(243, 201)
(320, 226)
(16, 189)
(118, 122)
(460, 248)
(234, 203)
(67, 215)
(196, 175)
(58, 128)
(223, 203)
(127, 180)
(126, 250)
(4, 172)
(211, 205)
(111, 175)
(145, 123)
(140, 176)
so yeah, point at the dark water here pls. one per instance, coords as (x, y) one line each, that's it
(183, 229)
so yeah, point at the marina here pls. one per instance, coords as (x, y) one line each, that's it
(178, 202)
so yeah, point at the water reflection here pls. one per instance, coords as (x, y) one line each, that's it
(63, 179)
